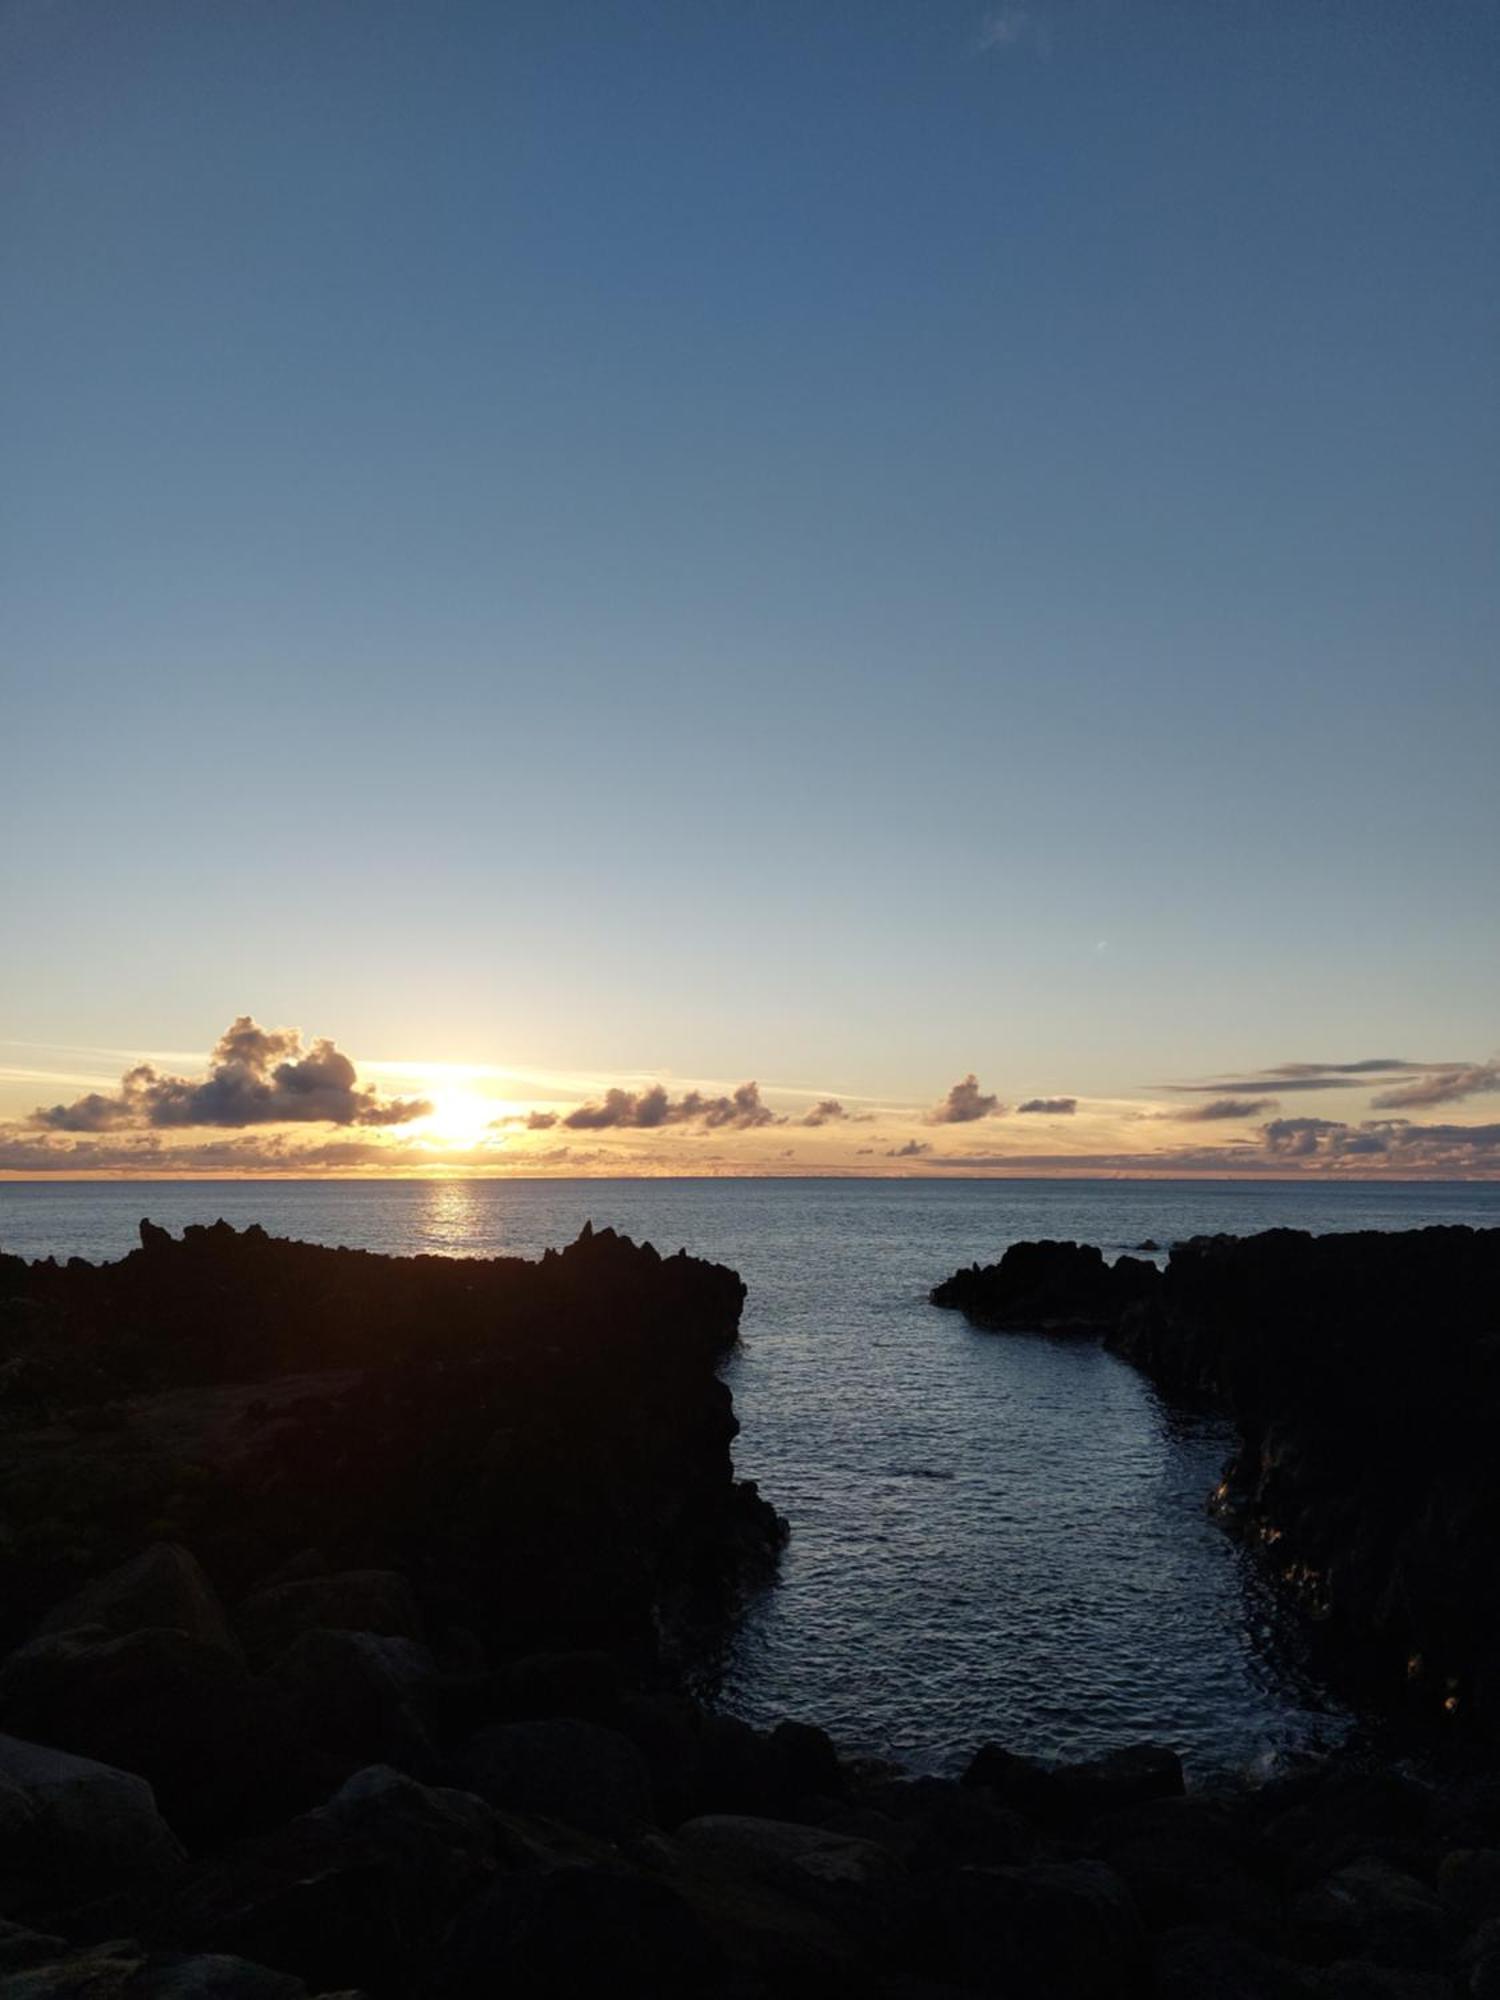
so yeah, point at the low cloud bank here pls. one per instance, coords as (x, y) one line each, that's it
(256, 1076)
(646, 1110)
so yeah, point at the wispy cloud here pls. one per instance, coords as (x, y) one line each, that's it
(1221, 1107)
(1361, 1075)
(1447, 1086)
(1011, 28)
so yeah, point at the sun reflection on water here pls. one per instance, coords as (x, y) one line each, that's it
(458, 1219)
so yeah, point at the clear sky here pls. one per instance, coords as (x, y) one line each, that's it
(839, 545)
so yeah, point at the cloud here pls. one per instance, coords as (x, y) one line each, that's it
(1009, 28)
(1297, 1138)
(1329, 1076)
(827, 1111)
(1050, 1107)
(1367, 1066)
(912, 1150)
(540, 1121)
(964, 1103)
(256, 1076)
(1446, 1086)
(646, 1110)
(1396, 1142)
(1222, 1107)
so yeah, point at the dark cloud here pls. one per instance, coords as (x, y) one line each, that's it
(645, 1110)
(964, 1103)
(1222, 1107)
(1445, 1086)
(1298, 1138)
(256, 1076)
(1397, 1143)
(1050, 1107)
(827, 1111)
(540, 1121)
(912, 1150)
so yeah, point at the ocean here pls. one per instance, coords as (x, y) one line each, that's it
(994, 1537)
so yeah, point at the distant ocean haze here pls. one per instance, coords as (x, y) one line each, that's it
(994, 1536)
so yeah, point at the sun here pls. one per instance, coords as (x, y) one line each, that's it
(460, 1117)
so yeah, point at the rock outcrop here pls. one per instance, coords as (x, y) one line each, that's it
(1049, 1287)
(539, 1450)
(1363, 1374)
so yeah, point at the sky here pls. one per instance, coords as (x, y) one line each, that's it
(570, 548)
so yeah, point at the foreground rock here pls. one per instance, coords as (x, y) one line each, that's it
(1363, 1373)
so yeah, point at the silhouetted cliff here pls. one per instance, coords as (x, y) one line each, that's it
(543, 1448)
(1363, 1373)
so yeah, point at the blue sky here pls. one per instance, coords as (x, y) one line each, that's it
(843, 545)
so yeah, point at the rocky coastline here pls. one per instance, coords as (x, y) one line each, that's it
(347, 1600)
(1362, 1373)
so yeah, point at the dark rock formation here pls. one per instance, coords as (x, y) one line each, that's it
(1363, 1373)
(541, 1451)
(1049, 1288)
(299, 1751)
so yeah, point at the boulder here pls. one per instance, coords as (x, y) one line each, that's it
(792, 1857)
(1369, 1909)
(1318, 1820)
(565, 1932)
(21, 1948)
(1480, 1959)
(358, 1892)
(164, 1586)
(124, 1968)
(88, 1827)
(804, 1763)
(1357, 1979)
(569, 1770)
(1209, 1963)
(1021, 1783)
(946, 1821)
(668, 1731)
(356, 1696)
(1192, 1861)
(1037, 1932)
(181, 1712)
(1468, 1885)
(542, 1685)
(363, 1600)
(1129, 1777)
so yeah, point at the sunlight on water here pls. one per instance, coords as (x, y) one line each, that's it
(994, 1536)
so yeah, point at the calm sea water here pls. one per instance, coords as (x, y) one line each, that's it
(993, 1536)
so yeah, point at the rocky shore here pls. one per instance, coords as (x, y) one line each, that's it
(1362, 1372)
(347, 1600)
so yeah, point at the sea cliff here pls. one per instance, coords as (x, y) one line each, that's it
(1362, 1372)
